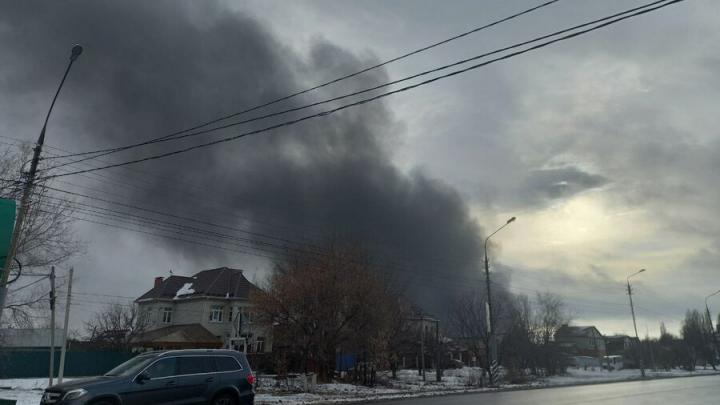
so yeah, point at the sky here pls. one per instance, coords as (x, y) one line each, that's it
(604, 146)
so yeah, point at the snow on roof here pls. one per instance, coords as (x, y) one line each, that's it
(186, 289)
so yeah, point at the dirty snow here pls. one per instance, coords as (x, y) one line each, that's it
(26, 391)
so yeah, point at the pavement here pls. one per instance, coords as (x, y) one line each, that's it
(687, 391)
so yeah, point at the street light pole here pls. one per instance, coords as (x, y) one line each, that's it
(632, 310)
(712, 329)
(29, 183)
(491, 348)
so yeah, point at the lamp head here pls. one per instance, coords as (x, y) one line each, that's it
(76, 51)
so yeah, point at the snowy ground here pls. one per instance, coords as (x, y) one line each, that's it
(409, 384)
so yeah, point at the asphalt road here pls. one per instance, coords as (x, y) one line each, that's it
(686, 391)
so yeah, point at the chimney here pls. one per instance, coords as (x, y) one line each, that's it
(158, 281)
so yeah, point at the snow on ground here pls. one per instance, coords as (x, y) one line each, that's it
(28, 391)
(580, 376)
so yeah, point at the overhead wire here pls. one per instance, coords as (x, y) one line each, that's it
(341, 78)
(370, 99)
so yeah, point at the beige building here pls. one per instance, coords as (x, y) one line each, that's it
(210, 309)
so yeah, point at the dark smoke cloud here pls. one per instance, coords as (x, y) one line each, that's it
(154, 67)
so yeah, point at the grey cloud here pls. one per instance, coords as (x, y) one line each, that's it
(151, 68)
(551, 184)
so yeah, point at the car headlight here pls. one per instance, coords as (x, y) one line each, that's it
(74, 394)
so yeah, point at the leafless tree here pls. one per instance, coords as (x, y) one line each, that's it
(468, 319)
(550, 313)
(115, 326)
(47, 238)
(320, 304)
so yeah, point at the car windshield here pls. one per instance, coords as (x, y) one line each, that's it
(131, 366)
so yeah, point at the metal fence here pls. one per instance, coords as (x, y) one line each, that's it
(35, 363)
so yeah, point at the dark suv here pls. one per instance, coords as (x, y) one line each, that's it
(217, 377)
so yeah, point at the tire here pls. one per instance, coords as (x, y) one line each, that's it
(103, 402)
(225, 399)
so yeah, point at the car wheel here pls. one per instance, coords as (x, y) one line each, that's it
(225, 399)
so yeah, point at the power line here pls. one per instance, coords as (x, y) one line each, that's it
(191, 134)
(347, 76)
(289, 244)
(370, 99)
(104, 179)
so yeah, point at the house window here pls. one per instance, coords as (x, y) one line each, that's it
(167, 315)
(216, 313)
(145, 317)
(230, 313)
(260, 344)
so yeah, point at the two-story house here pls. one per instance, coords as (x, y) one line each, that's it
(210, 309)
(581, 341)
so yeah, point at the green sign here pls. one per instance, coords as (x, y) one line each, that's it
(7, 224)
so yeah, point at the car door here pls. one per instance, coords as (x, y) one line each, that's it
(159, 386)
(192, 379)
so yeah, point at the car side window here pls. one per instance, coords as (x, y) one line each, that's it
(227, 363)
(162, 368)
(209, 364)
(190, 365)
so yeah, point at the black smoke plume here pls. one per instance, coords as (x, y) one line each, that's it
(153, 67)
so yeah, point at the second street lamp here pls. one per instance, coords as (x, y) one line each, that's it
(632, 310)
(491, 348)
(712, 329)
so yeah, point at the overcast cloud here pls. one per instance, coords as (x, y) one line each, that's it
(605, 147)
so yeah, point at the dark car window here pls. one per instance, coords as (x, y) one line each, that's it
(209, 364)
(131, 366)
(163, 368)
(191, 365)
(227, 363)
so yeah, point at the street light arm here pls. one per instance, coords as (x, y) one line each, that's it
(41, 140)
(706, 298)
(496, 231)
(634, 274)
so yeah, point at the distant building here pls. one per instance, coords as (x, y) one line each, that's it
(210, 309)
(581, 341)
(619, 344)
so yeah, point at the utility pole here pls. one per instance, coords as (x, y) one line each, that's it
(712, 329)
(61, 372)
(650, 348)
(52, 325)
(422, 346)
(438, 368)
(632, 310)
(491, 348)
(29, 183)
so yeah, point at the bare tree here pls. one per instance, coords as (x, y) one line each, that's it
(115, 326)
(695, 333)
(468, 319)
(550, 313)
(46, 238)
(319, 304)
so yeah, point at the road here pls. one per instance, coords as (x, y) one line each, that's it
(687, 391)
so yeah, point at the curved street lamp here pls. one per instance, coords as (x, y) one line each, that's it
(491, 348)
(632, 310)
(29, 183)
(712, 328)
